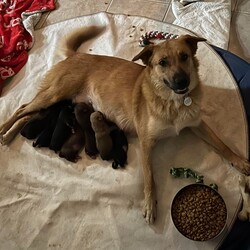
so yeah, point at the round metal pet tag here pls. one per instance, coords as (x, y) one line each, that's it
(187, 101)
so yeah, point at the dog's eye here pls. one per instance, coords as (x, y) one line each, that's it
(183, 57)
(163, 62)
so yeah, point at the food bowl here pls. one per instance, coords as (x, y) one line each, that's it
(199, 212)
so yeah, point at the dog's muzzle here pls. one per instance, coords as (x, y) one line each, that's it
(180, 83)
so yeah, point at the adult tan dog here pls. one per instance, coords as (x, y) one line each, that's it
(154, 101)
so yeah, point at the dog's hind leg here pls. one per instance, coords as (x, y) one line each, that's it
(13, 131)
(8, 124)
(45, 98)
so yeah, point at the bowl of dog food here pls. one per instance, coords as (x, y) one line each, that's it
(199, 212)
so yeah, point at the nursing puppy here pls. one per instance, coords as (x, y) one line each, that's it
(102, 130)
(120, 147)
(152, 100)
(111, 141)
(33, 128)
(44, 137)
(74, 145)
(82, 114)
(63, 128)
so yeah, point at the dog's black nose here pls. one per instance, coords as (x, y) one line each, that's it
(180, 81)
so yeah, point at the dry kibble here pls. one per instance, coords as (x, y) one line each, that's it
(199, 212)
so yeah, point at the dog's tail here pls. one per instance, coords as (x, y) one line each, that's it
(71, 42)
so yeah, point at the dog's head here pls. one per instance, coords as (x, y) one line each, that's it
(172, 63)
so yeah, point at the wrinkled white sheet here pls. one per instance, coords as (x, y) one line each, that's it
(49, 203)
(29, 22)
(206, 18)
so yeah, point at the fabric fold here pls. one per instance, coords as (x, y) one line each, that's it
(209, 19)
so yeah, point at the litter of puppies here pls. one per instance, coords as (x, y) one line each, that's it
(68, 129)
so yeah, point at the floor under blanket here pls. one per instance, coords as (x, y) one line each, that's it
(239, 39)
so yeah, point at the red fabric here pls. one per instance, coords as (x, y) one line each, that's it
(14, 39)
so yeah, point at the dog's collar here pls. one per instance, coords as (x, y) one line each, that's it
(187, 100)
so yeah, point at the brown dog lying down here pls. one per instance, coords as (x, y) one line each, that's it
(155, 101)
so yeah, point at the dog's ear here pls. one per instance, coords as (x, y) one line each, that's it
(192, 42)
(145, 54)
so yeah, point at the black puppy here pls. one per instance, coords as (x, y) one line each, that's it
(74, 145)
(33, 128)
(63, 128)
(120, 147)
(44, 138)
(82, 114)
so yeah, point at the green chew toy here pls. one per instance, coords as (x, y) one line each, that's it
(189, 173)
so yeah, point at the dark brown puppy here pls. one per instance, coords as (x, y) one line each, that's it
(33, 128)
(63, 129)
(102, 130)
(120, 147)
(111, 141)
(44, 138)
(82, 114)
(74, 145)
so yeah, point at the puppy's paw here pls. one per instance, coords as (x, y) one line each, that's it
(149, 211)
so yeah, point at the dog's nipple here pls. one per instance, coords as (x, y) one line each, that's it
(187, 101)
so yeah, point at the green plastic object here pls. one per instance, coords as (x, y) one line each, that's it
(186, 173)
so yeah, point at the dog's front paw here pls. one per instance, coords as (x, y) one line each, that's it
(242, 181)
(244, 185)
(244, 214)
(149, 211)
(242, 165)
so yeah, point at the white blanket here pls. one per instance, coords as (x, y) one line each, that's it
(49, 203)
(206, 18)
